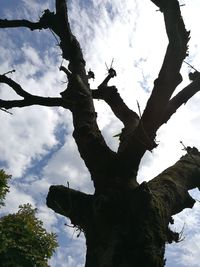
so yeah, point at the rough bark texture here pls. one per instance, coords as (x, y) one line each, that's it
(130, 228)
(125, 224)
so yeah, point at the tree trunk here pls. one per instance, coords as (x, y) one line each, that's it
(121, 228)
(130, 227)
(124, 231)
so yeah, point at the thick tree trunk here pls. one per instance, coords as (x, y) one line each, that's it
(121, 228)
(130, 227)
(125, 231)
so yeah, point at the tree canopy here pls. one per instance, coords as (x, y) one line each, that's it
(4, 188)
(23, 239)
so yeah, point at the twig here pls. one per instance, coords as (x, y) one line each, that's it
(10, 71)
(144, 131)
(161, 10)
(187, 150)
(55, 37)
(181, 237)
(139, 109)
(6, 111)
(190, 66)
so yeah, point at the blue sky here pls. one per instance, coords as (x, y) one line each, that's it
(36, 144)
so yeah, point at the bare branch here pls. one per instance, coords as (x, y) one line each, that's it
(35, 100)
(111, 96)
(169, 76)
(61, 11)
(15, 86)
(92, 147)
(181, 98)
(29, 99)
(4, 23)
(172, 185)
(70, 203)
(143, 138)
(66, 71)
(4, 110)
(98, 157)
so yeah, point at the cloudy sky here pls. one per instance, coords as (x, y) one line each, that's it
(36, 145)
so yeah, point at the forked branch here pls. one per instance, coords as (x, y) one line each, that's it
(181, 98)
(112, 97)
(169, 76)
(143, 138)
(28, 99)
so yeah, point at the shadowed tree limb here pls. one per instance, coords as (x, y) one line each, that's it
(112, 97)
(169, 76)
(15, 86)
(98, 158)
(142, 138)
(92, 147)
(29, 99)
(70, 203)
(34, 100)
(4, 23)
(172, 185)
(181, 98)
(68, 43)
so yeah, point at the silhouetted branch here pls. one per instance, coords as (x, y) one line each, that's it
(34, 100)
(98, 158)
(181, 98)
(143, 138)
(70, 203)
(66, 71)
(15, 86)
(169, 76)
(172, 185)
(29, 99)
(4, 23)
(111, 96)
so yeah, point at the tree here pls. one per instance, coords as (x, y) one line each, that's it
(23, 240)
(125, 224)
(3, 186)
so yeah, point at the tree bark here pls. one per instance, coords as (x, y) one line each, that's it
(128, 228)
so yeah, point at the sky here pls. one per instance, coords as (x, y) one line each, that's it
(36, 144)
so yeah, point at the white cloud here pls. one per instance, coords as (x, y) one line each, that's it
(66, 166)
(25, 136)
(48, 217)
(63, 257)
(15, 198)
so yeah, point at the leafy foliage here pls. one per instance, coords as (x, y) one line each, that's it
(23, 240)
(4, 188)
